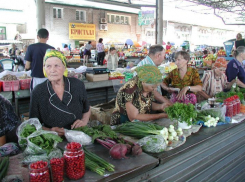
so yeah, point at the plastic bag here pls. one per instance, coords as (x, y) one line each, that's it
(23, 140)
(34, 158)
(78, 136)
(9, 149)
(35, 149)
(56, 153)
(215, 112)
(153, 143)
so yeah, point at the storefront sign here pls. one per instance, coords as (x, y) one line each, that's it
(81, 31)
(146, 17)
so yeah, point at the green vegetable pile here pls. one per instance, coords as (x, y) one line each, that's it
(234, 91)
(101, 131)
(27, 130)
(182, 112)
(4, 164)
(139, 129)
(97, 164)
(46, 141)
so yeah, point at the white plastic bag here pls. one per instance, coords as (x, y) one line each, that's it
(23, 140)
(78, 136)
(35, 149)
(153, 143)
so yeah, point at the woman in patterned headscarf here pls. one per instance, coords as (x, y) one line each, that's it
(215, 81)
(59, 102)
(135, 99)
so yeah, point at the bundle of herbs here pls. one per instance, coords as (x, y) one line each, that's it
(182, 112)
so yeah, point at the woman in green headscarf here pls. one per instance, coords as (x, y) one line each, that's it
(135, 99)
(59, 102)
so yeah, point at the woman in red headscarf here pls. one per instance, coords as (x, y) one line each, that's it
(215, 81)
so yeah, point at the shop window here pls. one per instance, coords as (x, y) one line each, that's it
(57, 12)
(81, 15)
(3, 33)
(118, 19)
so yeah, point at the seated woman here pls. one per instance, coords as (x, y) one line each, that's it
(185, 78)
(135, 99)
(59, 102)
(215, 81)
(235, 68)
(112, 59)
(9, 122)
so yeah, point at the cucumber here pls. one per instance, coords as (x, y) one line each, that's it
(2, 163)
(4, 170)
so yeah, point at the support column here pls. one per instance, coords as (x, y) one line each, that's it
(40, 4)
(160, 22)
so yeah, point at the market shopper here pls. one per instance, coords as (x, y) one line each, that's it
(235, 69)
(59, 102)
(239, 41)
(134, 100)
(215, 81)
(101, 52)
(155, 57)
(87, 52)
(12, 51)
(34, 57)
(185, 78)
(112, 59)
(9, 122)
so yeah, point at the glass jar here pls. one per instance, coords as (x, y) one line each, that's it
(57, 169)
(74, 162)
(234, 106)
(39, 172)
(238, 104)
(229, 108)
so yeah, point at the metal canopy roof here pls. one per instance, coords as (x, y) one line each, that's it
(230, 11)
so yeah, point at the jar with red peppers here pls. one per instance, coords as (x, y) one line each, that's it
(74, 161)
(39, 172)
(234, 105)
(229, 107)
(57, 169)
(238, 104)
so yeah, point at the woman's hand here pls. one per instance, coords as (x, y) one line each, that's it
(182, 93)
(60, 131)
(78, 123)
(165, 105)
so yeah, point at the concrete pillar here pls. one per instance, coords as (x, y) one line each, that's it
(160, 22)
(40, 4)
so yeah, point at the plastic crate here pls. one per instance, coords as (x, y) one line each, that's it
(25, 84)
(11, 85)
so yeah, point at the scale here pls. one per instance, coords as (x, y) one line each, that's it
(97, 70)
(228, 48)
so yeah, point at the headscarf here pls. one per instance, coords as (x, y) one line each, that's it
(54, 53)
(220, 63)
(149, 74)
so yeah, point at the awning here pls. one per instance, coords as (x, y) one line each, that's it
(5, 42)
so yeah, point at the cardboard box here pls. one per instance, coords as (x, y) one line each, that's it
(98, 77)
(102, 112)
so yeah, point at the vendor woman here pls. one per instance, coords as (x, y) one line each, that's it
(185, 78)
(59, 102)
(235, 68)
(135, 99)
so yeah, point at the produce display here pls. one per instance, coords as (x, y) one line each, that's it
(27, 130)
(9, 77)
(116, 75)
(24, 76)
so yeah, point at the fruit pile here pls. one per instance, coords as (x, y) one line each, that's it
(74, 161)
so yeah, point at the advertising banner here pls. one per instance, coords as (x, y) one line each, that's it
(146, 17)
(81, 31)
